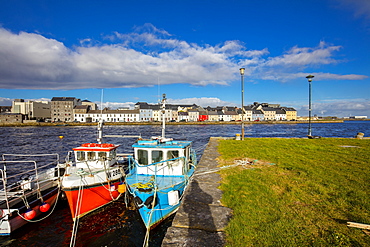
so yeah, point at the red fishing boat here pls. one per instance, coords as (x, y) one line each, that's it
(95, 177)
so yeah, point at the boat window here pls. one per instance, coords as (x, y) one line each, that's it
(171, 154)
(157, 156)
(102, 155)
(113, 154)
(80, 155)
(142, 157)
(90, 155)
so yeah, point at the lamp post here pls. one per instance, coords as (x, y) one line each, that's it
(242, 70)
(309, 78)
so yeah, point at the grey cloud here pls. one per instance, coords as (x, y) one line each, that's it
(359, 7)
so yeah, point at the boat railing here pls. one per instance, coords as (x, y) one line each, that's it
(30, 155)
(23, 189)
(28, 182)
(38, 175)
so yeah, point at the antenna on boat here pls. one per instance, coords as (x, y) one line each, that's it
(100, 124)
(163, 115)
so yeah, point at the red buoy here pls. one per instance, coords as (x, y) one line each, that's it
(29, 214)
(44, 207)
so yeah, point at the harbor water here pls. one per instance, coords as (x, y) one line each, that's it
(116, 225)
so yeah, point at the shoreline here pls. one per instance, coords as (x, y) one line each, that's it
(42, 124)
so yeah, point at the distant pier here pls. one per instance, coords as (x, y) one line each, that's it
(201, 219)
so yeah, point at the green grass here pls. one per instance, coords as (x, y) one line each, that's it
(305, 199)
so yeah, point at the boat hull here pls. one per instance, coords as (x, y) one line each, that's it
(91, 198)
(12, 220)
(161, 199)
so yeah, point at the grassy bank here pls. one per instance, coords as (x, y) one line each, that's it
(301, 192)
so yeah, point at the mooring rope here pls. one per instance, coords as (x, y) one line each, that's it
(76, 219)
(55, 203)
(146, 239)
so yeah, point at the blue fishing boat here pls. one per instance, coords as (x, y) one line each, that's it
(159, 174)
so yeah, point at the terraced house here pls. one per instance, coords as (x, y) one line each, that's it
(68, 109)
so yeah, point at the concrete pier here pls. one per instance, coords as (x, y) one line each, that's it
(201, 219)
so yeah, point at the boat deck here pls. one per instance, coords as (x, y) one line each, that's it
(147, 181)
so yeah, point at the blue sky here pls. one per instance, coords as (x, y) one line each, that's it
(190, 50)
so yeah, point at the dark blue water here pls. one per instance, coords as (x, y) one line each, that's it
(116, 225)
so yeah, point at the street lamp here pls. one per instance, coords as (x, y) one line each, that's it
(309, 78)
(242, 70)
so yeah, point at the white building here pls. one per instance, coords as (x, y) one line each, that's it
(183, 116)
(193, 115)
(109, 116)
(146, 115)
(280, 115)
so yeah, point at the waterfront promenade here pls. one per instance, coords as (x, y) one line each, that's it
(201, 218)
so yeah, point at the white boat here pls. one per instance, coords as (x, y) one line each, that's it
(158, 175)
(29, 189)
(94, 178)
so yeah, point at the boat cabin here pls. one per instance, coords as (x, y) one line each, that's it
(95, 155)
(162, 157)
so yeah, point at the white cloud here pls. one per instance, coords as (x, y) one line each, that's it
(203, 101)
(319, 76)
(304, 56)
(115, 105)
(31, 61)
(339, 108)
(8, 101)
(5, 101)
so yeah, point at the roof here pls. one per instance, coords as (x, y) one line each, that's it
(231, 113)
(96, 147)
(63, 99)
(257, 112)
(158, 144)
(288, 109)
(82, 107)
(268, 109)
(212, 113)
(144, 105)
(280, 111)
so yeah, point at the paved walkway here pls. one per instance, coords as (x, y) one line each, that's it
(201, 219)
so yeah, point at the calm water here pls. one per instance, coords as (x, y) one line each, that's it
(116, 225)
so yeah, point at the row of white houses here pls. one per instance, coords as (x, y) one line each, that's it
(185, 115)
(68, 109)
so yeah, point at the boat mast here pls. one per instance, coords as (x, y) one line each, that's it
(100, 131)
(100, 124)
(163, 115)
